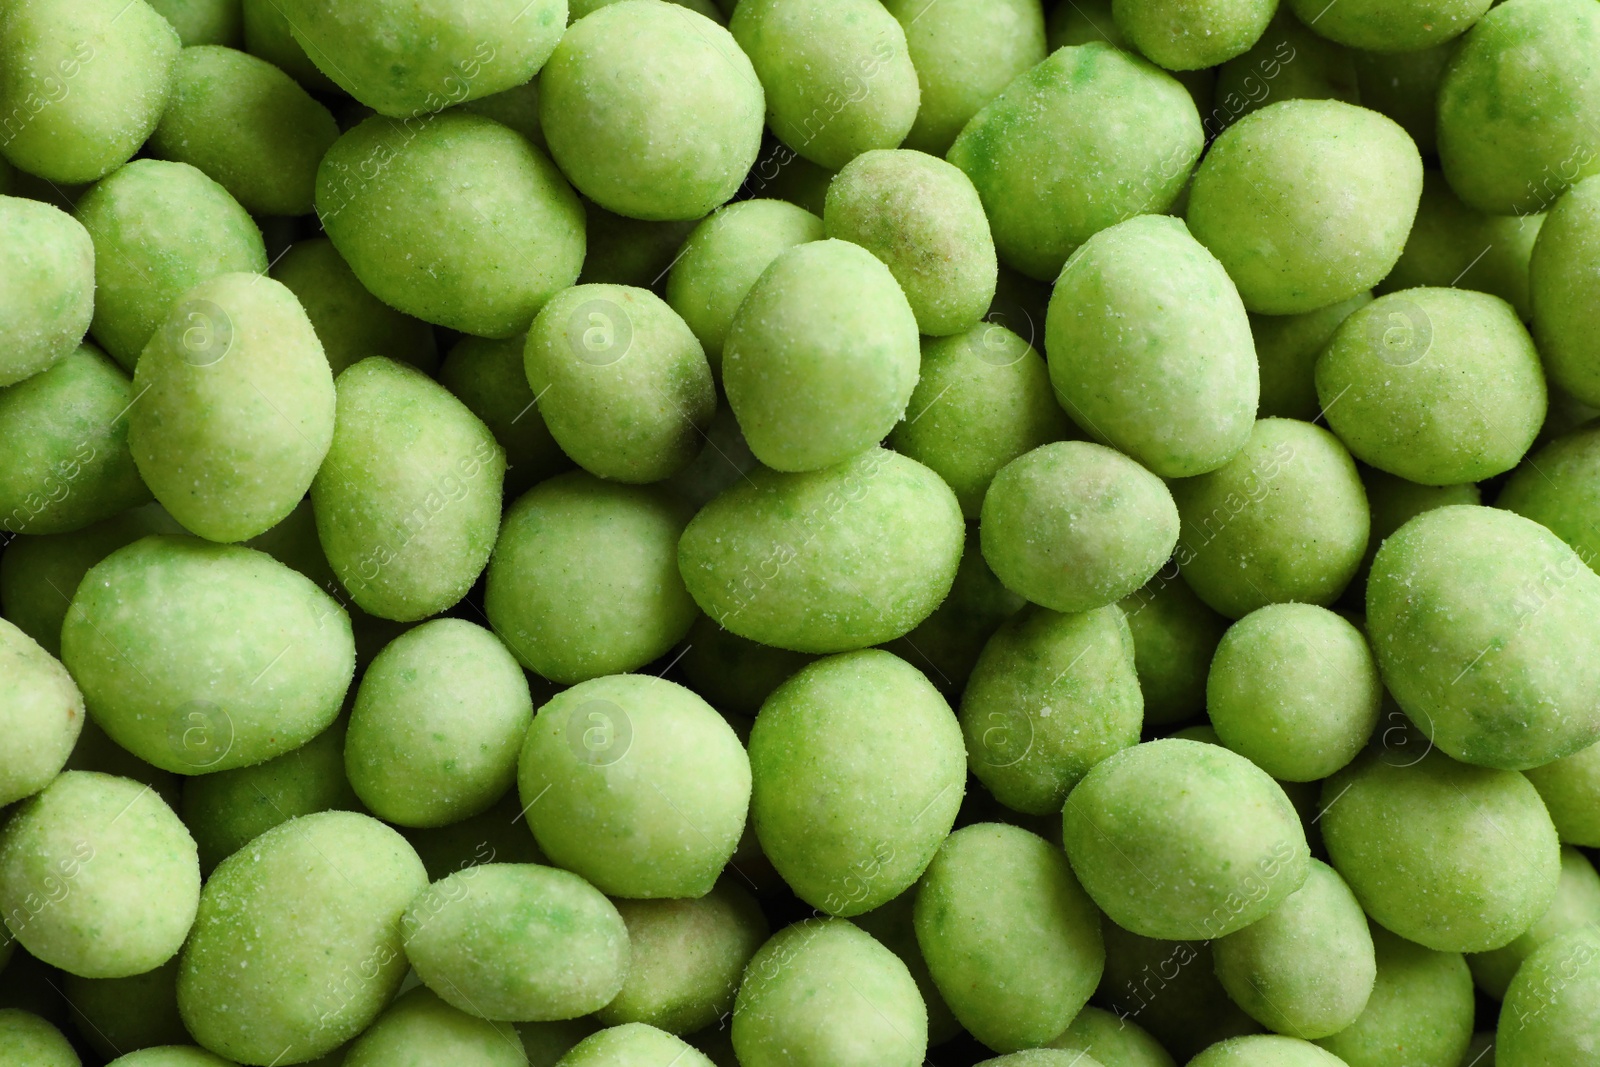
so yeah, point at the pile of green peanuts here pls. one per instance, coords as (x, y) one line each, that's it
(799, 533)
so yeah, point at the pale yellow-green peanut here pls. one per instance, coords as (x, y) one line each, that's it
(1551, 1012)
(420, 1030)
(48, 286)
(1189, 36)
(173, 1056)
(41, 718)
(29, 1041)
(1266, 1050)
(1570, 789)
(1576, 906)
(1420, 1010)
(1113, 1041)
(633, 1045)
(1561, 280)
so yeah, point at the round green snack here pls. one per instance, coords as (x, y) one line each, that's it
(489, 377)
(98, 876)
(1561, 278)
(1570, 789)
(457, 220)
(1559, 487)
(1186, 35)
(1390, 26)
(1265, 1050)
(1052, 159)
(823, 992)
(204, 21)
(1420, 1010)
(518, 942)
(584, 578)
(1287, 347)
(1150, 348)
(821, 357)
(923, 218)
(178, 690)
(652, 110)
(172, 1056)
(1042, 1057)
(420, 1030)
(159, 229)
(633, 1045)
(621, 380)
(1552, 1010)
(1178, 838)
(1112, 1041)
(83, 84)
(267, 35)
(40, 719)
(29, 1041)
(857, 772)
(635, 784)
(137, 1012)
(1306, 202)
(48, 284)
(407, 501)
(1576, 906)
(1454, 857)
(297, 947)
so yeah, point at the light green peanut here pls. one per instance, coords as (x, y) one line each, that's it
(1552, 1010)
(1408, 26)
(1189, 36)
(204, 21)
(1562, 288)
(1262, 1050)
(1558, 487)
(419, 1029)
(1576, 906)
(1287, 347)
(1112, 1041)
(48, 285)
(29, 1041)
(1420, 1010)
(41, 718)
(632, 1045)
(1570, 789)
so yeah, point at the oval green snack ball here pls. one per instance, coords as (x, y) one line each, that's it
(1306, 202)
(857, 770)
(584, 579)
(41, 718)
(1186, 35)
(1042, 1057)
(1052, 160)
(118, 1014)
(174, 687)
(633, 1045)
(1420, 1011)
(821, 357)
(1175, 635)
(489, 377)
(822, 993)
(1551, 1012)
(1178, 838)
(1295, 690)
(995, 901)
(65, 462)
(1570, 789)
(1285, 519)
(1287, 347)
(1559, 487)
(1576, 906)
(1150, 349)
(267, 35)
(1112, 1041)
(171, 1056)
(1561, 280)
(922, 217)
(829, 560)
(204, 21)
(1388, 26)
(407, 501)
(29, 1041)
(1266, 1050)
(652, 110)
(297, 947)
(48, 284)
(458, 221)
(420, 1030)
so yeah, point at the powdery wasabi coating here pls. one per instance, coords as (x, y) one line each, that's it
(1551, 1012)
(1042, 1057)
(821, 357)
(489, 378)
(136, 1012)
(637, 785)
(999, 901)
(1177, 391)
(407, 59)
(922, 217)
(46, 286)
(1420, 1010)
(267, 34)
(1181, 35)
(65, 463)
(829, 560)
(1559, 488)
(621, 380)
(1388, 26)
(1285, 520)
(172, 1056)
(1513, 124)
(454, 218)
(822, 993)
(1175, 635)
(420, 1030)
(1561, 279)
(1052, 160)
(351, 323)
(1177, 838)
(1265, 1050)
(1570, 789)
(41, 718)
(29, 1041)
(204, 21)
(1306, 202)
(407, 501)
(1287, 347)
(837, 74)
(894, 927)
(1576, 906)
(633, 1045)
(159, 229)
(1288, 62)
(1112, 1041)
(1454, 246)
(858, 770)
(584, 580)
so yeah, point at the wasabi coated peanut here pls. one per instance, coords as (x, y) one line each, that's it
(98, 876)
(407, 501)
(180, 691)
(632, 1045)
(1380, 26)
(1479, 619)
(1420, 1010)
(48, 285)
(159, 229)
(1286, 519)
(1175, 635)
(489, 378)
(255, 983)
(66, 457)
(1188, 36)
(923, 218)
(1513, 132)
(517, 941)
(1552, 1010)
(894, 926)
(651, 110)
(1266, 1050)
(857, 771)
(578, 9)
(584, 579)
(406, 60)
(1569, 788)
(1307, 968)
(636, 784)
(1150, 348)
(267, 35)
(1558, 487)
(732, 673)
(1288, 62)
(1051, 696)
(829, 560)
(838, 78)
(1561, 281)
(1042, 1057)
(29, 1041)
(84, 84)
(136, 1012)
(1225, 856)
(458, 221)
(1076, 526)
(1306, 202)
(1170, 989)
(204, 21)
(621, 381)
(824, 992)
(41, 718)
(1454, 857)
(1287, 347)
(1029, 152)
(1576, 906)
(1086, 21)
(420, 1030)
(171, 1056)
(1295, 690)
(821, 357)
(997, 900)
(1112, 1041)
